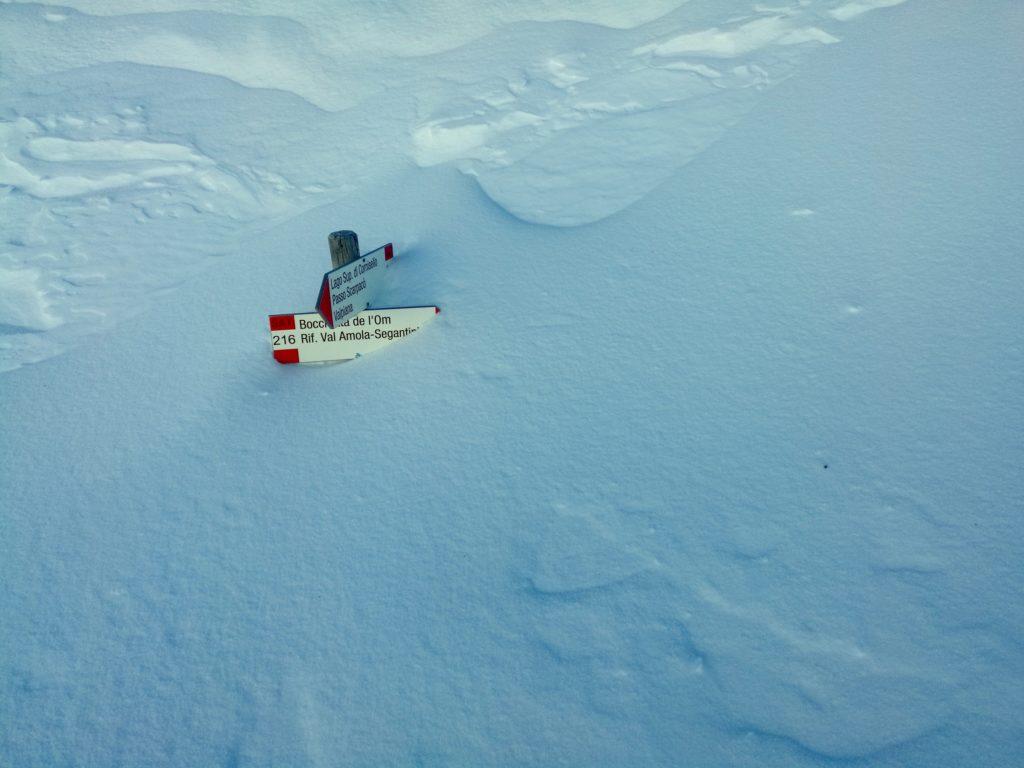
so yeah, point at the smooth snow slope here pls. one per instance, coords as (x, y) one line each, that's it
(769, 514)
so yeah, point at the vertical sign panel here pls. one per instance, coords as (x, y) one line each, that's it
(350, 288)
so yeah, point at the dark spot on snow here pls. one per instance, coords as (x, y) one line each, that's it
(826, 466)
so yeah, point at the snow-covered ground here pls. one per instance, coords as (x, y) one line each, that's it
(713, 457)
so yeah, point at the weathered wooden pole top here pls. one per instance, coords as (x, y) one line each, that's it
(344, 245)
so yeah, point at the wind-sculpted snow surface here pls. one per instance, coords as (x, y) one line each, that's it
(564, 114)
(574, 133)
(729, 476)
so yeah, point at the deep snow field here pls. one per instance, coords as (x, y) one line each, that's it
(713, 456)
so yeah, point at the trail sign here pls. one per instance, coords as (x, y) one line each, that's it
(306, 338)
(350, 288)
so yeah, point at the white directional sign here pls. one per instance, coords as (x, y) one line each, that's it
(306, 338)
(350, 289)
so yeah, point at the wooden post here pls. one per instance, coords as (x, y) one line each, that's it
(344, 246)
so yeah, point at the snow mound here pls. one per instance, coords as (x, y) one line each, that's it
(572, 135)
(23, 303)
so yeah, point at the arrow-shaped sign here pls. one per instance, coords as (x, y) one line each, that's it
(306, 338)
(350, 289)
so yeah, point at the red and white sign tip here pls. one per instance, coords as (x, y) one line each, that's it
(323, 301)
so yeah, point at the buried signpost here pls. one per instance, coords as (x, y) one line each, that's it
(343, 326)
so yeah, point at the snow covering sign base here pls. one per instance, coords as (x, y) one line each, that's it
(306, 337)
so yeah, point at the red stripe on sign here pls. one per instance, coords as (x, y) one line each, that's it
(437, 310)
(389, 252)
(323, 303)
(282, 322)
(286, 355)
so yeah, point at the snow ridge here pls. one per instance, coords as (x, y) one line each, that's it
(571, 138)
